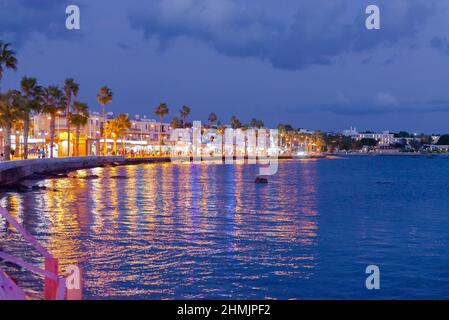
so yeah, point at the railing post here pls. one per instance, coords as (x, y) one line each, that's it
(51, 285)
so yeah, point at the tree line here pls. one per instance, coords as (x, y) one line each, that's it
(17, 107)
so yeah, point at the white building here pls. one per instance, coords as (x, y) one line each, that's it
(148, 130)
(437, 148)
(306, 131)
(352, 132)
(385, 138)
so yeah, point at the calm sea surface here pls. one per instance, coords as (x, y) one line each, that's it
(208, 231)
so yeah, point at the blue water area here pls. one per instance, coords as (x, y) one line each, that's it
(196, 231)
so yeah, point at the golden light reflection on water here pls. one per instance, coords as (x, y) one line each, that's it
(142, 230)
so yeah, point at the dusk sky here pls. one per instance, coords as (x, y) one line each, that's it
(310, 63)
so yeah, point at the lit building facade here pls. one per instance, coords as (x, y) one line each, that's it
(385, 138)
(142, 137)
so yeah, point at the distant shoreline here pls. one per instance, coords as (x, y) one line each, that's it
(392, 154)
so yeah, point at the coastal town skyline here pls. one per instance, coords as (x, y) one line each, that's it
(35, 111)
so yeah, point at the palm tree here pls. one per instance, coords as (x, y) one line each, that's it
(291, 136)
(184, 112)
(70, 88)
(125, 125)
(53, 101)
(319, 140)
(117, 128)
(221, 130)
(212, 119)
(235, 123)
(18, 128)
(161, 111)
(8, 58)
(9, 113)
(282, 128)
(112, 130)
(32, 93)
(79, 119)
(104, 97)
(175, 123)
(256, 123)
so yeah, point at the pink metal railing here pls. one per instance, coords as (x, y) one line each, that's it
(54, 285)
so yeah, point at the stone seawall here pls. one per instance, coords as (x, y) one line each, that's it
(13, 171)
(147, 160)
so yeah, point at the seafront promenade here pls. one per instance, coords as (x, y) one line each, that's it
(13, 171)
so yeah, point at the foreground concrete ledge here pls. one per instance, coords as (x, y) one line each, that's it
(147, 160)
(13, 171)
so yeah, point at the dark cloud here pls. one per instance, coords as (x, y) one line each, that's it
(441, 44)
(316, 32)
(362, 109)
(123, 46)
(390, 60)
(21, 18)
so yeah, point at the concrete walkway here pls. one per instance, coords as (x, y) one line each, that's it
(13, 171)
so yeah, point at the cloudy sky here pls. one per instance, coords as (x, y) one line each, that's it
(310, 63)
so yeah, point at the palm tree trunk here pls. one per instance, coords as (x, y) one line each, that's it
(222, 146)
(77, 141)
(52, 134)
(105, 149)
(160, 135)
(26, 130)
(7, 138)
(115, 146)
(68, 127)
(17, 142)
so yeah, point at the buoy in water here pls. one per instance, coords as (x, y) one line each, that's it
(261, 180)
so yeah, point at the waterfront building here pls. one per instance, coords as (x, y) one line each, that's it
(305, 131)
(384, 139)
(405, 140)
(142, 137)
(352, 132)
(145, 135)
(436, 148)
(90, 134)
